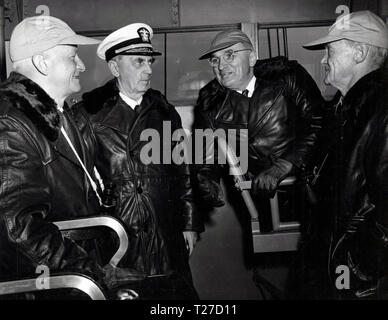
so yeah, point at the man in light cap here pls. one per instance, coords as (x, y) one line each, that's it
(153, 200)
(275, 99)
(42, 180)
(353, 217)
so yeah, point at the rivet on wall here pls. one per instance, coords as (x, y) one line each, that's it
(175, 13)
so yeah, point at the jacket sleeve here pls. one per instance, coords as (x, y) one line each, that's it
(206, 171)
(191, 218)
(306, 106)
(377, 169)
(25, 206)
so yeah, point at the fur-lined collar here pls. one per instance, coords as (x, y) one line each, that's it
(108, 94)
(34, 102)
(274, 68)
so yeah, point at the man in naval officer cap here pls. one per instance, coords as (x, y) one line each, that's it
(153, 199)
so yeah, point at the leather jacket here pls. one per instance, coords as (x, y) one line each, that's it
(41, 182)
(358, 163)
(282, 116)
(153, 200)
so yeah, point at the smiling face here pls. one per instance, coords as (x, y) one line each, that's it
(339, 64)
(236, 74)
(64, 68)
(133, 73)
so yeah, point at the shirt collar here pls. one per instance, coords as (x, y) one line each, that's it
(129, 101)
(250, 87)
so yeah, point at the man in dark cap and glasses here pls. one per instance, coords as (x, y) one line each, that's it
(276, 100)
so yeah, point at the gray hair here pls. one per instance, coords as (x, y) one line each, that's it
(377, 55)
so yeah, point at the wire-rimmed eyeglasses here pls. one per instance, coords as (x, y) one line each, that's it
(228, 57)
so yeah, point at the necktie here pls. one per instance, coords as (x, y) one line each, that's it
(245, 92)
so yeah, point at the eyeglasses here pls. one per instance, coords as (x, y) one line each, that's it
(228, 57)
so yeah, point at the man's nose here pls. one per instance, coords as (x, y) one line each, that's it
(148, 68)
(324, 59)
(80, 65)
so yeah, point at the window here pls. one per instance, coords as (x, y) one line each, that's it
(271, 43)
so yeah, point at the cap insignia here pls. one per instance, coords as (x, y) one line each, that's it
(144, 34)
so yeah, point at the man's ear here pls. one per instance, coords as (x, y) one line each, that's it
(40, 64)
(252, 58)
(114, 68)
(360, 52)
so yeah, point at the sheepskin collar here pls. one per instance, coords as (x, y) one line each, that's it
(273, 68)
(34, 102)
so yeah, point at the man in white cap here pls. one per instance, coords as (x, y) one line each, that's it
(42, 179)
(354, 144)
(153, 200)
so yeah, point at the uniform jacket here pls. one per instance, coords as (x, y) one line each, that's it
(41, 182)
(153, 200)
(282, 116)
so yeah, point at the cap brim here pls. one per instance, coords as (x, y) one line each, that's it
(218, 47)
(320, 43)
(79, 40)
(139, 53)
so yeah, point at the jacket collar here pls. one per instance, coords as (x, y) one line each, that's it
(270, 69)
(211, 95)
(372, 84)
(34, 102)
(108, 95)
(364, 99)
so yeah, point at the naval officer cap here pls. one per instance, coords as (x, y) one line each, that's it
(133, 39)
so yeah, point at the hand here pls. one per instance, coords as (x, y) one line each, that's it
(114, 276)
(190, 240)
(210, 191)
(268, 180)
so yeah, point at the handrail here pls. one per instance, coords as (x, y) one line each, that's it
(76, 281)
(238, 176)
(244, 185)
(106, 221)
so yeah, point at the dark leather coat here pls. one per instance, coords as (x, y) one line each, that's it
(41, 182)
(357, 177)
(282, 116)
(154, 200)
